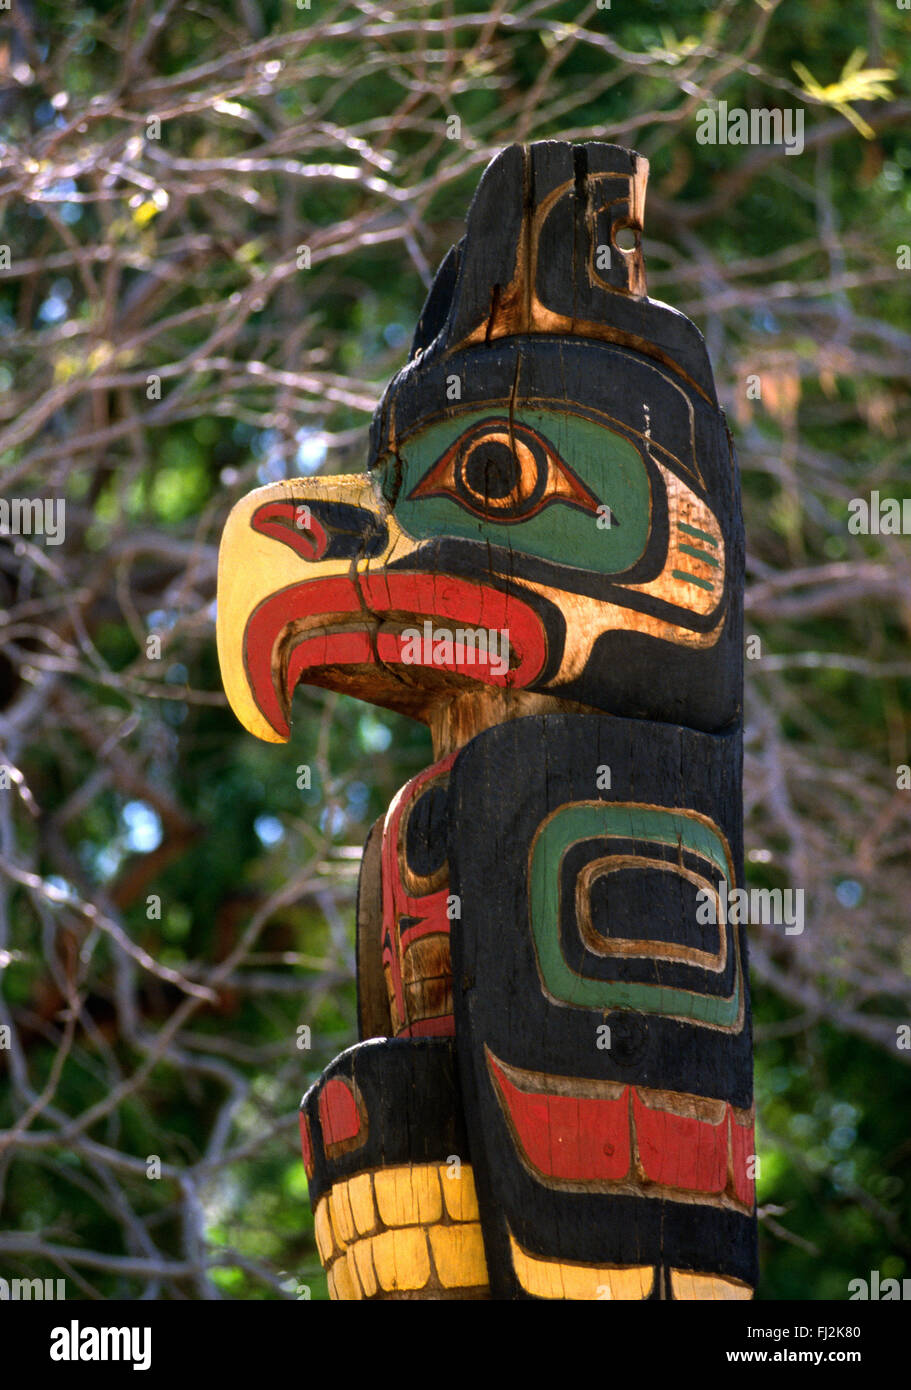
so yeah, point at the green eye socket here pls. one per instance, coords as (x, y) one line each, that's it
(498, 478)
(503, 471)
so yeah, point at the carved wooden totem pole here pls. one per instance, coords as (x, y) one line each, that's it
(552, 1097)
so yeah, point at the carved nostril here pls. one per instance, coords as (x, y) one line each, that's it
(294, 524)
(317, 529)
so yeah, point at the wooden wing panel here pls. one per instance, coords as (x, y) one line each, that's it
(602, 1027)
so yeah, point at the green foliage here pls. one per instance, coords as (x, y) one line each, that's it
(176, 258)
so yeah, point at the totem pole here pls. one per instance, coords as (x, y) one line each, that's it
(552, 1097)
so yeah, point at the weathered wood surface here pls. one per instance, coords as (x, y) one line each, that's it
(603, 1029)
(544, 563)
(395, 1209)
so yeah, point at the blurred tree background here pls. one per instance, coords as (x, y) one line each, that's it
(173, 908)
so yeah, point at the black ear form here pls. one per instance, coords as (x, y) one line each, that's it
(554, 246)
(540, 318)
(554, 207)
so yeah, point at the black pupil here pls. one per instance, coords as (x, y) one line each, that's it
(491, 470)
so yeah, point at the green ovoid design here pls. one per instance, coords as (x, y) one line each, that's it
(606, 462)
(588, 820)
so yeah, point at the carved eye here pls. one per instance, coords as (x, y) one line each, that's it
(503, 471)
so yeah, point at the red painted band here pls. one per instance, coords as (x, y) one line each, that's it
(338, 1112)
(409, 596)
(430, 909)
(588, 1139)
(743, 1149)
(575, 1138)
(681, 1150)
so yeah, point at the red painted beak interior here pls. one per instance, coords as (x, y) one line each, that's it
(276, 656)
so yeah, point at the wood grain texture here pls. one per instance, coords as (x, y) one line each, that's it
(638, 1151)
(544, 563)
(564, 477)
(374, 1020)
(395, 1208)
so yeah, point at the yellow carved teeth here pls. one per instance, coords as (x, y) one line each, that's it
(404, 1232)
